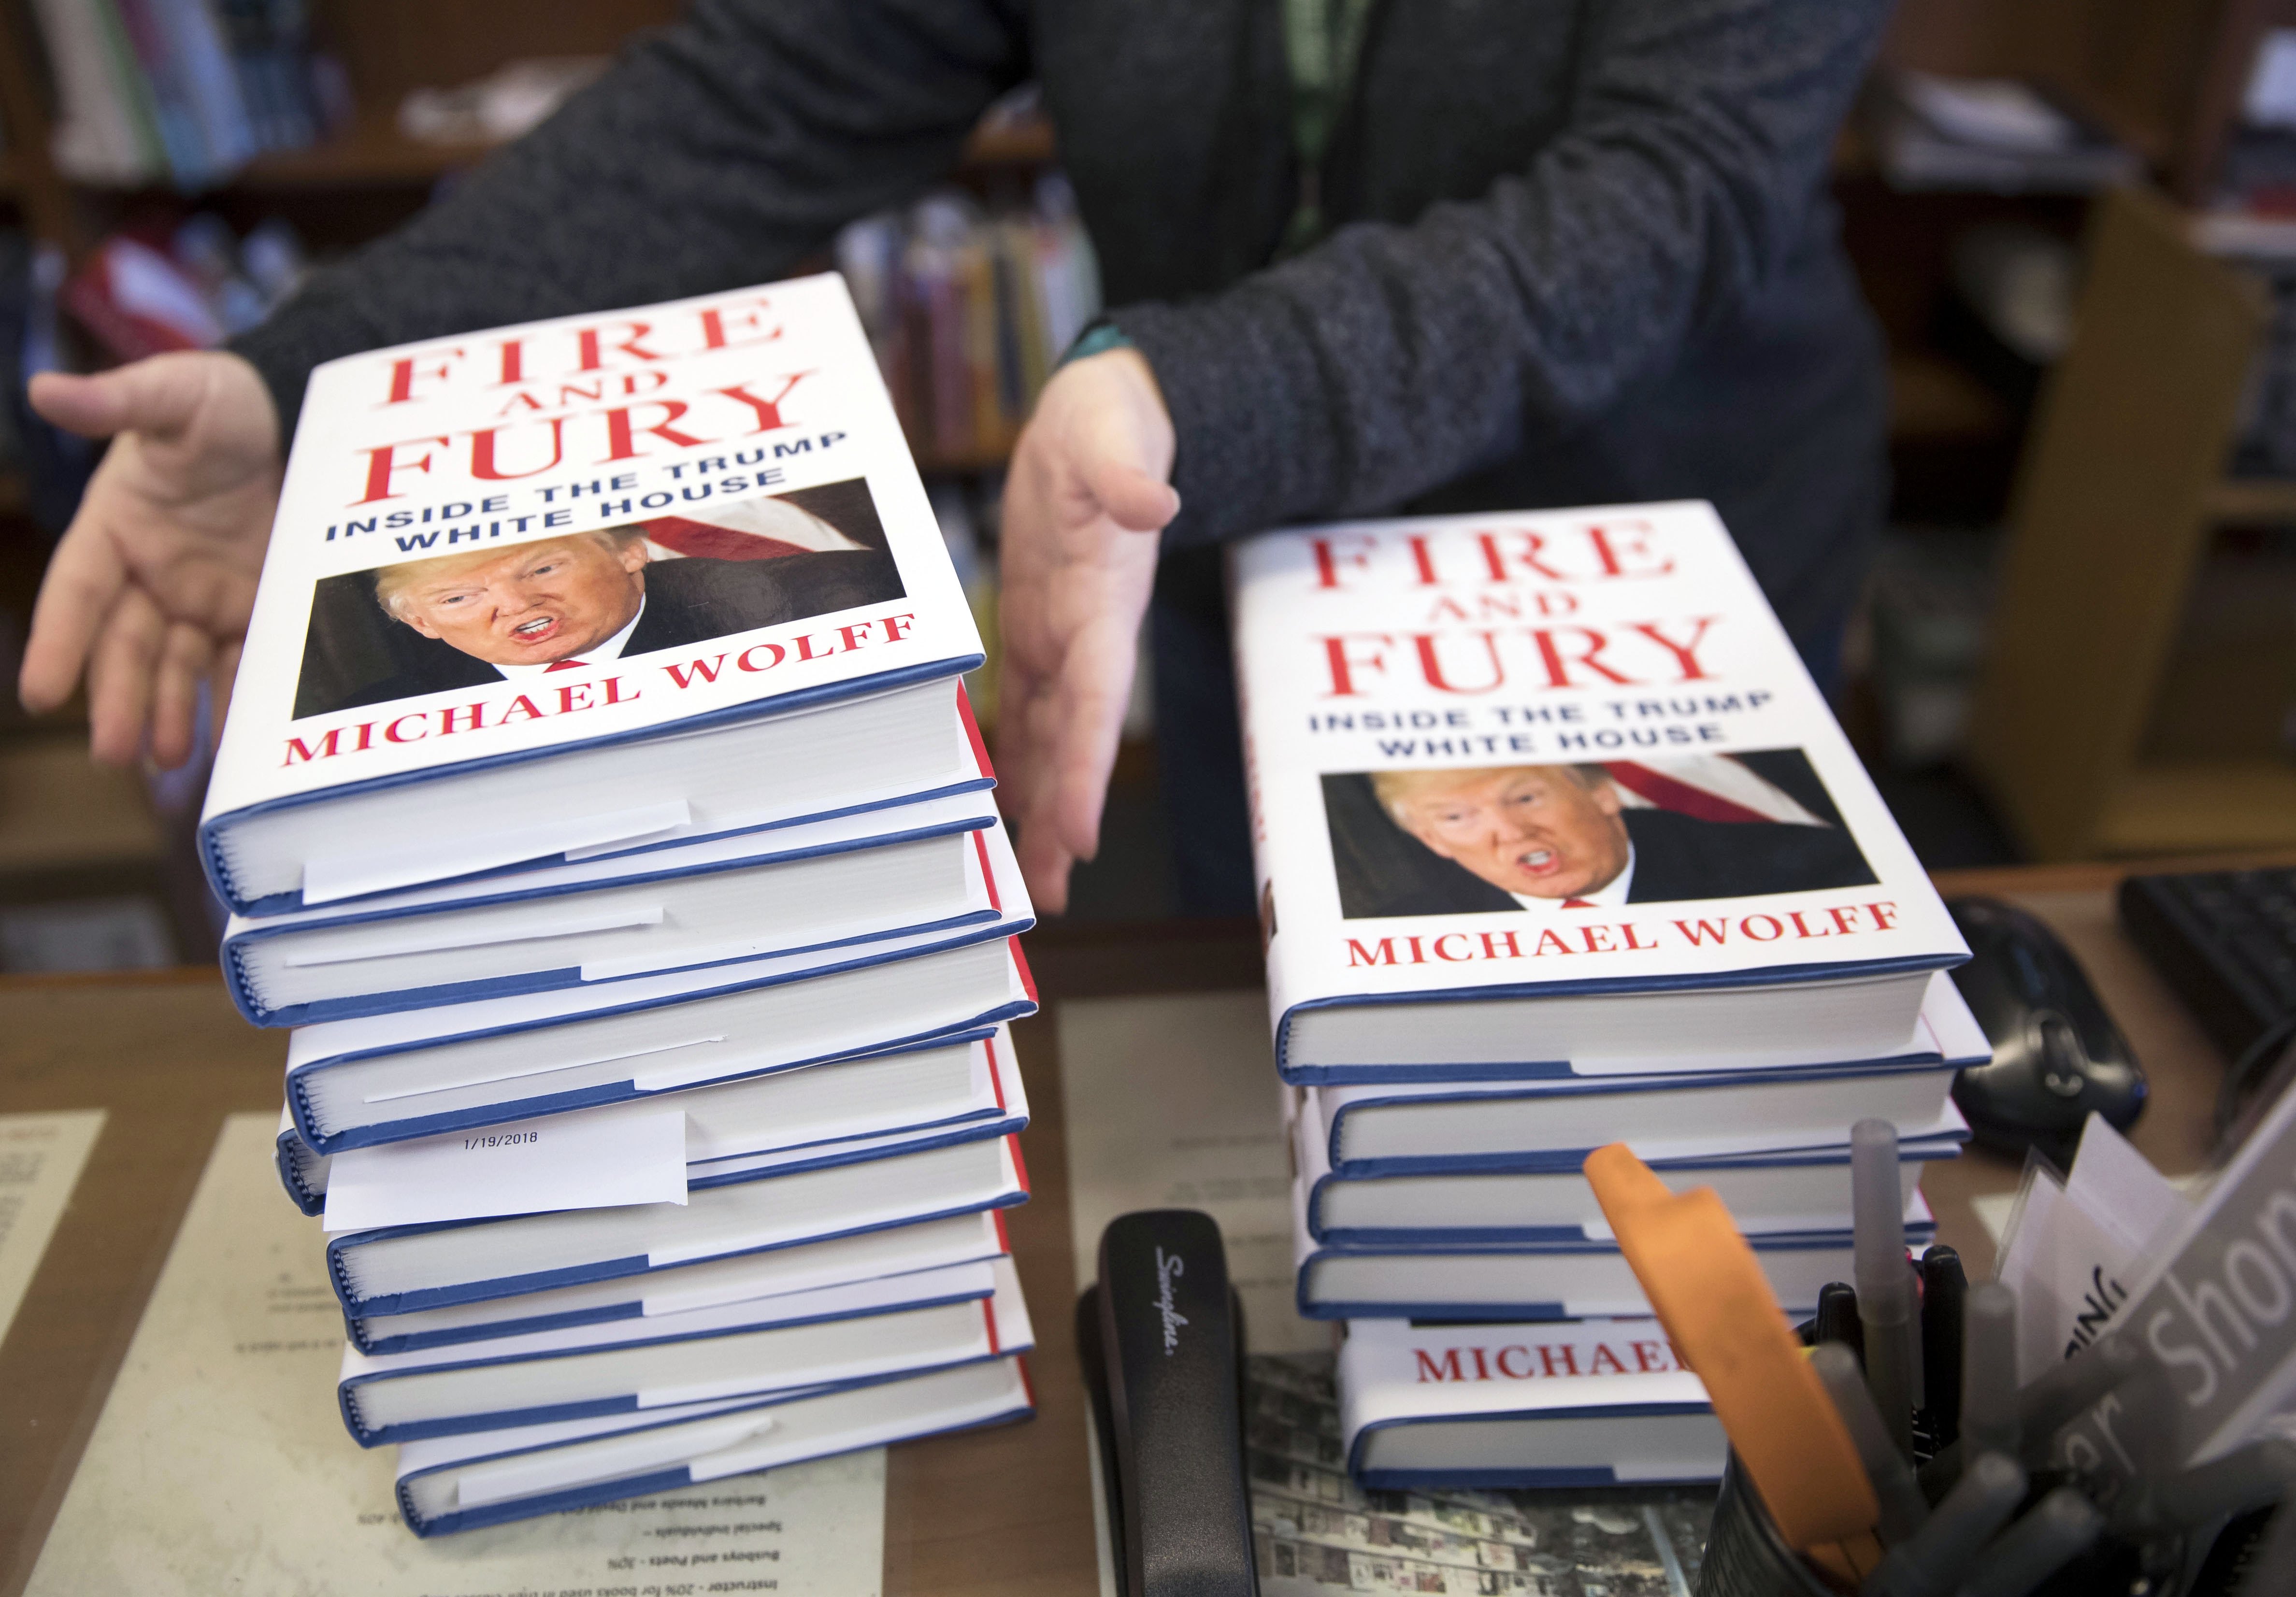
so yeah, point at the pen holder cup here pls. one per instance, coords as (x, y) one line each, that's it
(1746, 1555)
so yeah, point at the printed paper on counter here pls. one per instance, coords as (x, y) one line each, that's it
(40, 1160)
(220, 1463)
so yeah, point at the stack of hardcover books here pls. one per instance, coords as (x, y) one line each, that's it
(1558, 846)
(601, 805)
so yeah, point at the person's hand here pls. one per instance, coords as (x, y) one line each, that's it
(1085, 497)
(150, 587)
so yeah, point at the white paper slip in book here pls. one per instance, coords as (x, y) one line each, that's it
(1516, 767)
(823, 1110)
(1407, 1127)
(812, 887)
(403, 1401)
(388, 1078)
(520, 1170)
(810, 1267)
(1516, 1406)
(487, 1477)
(486, 636)
(1773, 1194)
(422, 1267)
(1528, 1280)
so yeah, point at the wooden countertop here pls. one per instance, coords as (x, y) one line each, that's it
(1005, 1511)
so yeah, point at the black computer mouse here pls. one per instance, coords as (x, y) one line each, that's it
(2056, 1053)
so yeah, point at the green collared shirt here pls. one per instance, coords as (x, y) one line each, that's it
(1323, 41)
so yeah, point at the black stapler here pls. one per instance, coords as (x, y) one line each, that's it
(1161, 1339)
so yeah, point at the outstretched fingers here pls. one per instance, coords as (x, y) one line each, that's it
(120, 673)
(85, 580)
(186, 656)
(158, 396)
(1133, 499)
(1087, 711)
(1027, 747)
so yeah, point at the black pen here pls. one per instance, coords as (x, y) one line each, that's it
(1837, 1317)
(1944, 1287)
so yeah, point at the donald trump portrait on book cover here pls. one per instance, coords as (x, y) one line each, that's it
(1545, 837)
(508, 610)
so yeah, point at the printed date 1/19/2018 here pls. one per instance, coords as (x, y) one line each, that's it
(503, 1139)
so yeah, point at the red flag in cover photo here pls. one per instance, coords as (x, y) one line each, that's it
(745, 530)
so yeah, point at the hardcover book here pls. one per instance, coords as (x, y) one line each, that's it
(1784, 1192)
(1564, 1279)
(844, 1335)
(1433, 1127)
(955, 1089)
(1506, 770)
(1522, 1406)
(814, 887)
(902, 1250)
(486, 1478)
(501, 558)
(415, 1073)
(397, 1270)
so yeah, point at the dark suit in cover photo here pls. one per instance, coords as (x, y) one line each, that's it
(447, 622)
(1471, 847)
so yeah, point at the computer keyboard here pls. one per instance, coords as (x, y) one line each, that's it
(2226, 943)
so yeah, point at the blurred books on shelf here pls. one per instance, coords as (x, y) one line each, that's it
(506, 103)
(183, 92)
(2000, 135)
(2251, 211)
(42, 468)
(1930, 598)
(969, 311)
(149, 290)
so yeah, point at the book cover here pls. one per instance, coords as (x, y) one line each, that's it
(778, 1122)
(853, 1335)
(460, 1483)
(1555, 1279)
(750, 1212)
(1474, 1393)
(574, 925)
(963, 1240)
(1783, 1192)
(1533, 754)
(500, 546)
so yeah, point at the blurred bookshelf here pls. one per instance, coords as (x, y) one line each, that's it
(2160, 77)
(352, 170)
(372, 152)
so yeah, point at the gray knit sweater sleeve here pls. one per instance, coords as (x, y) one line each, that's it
(720, 150)
(1389, 359)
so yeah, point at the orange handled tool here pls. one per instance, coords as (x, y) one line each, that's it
(1726, 1324)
